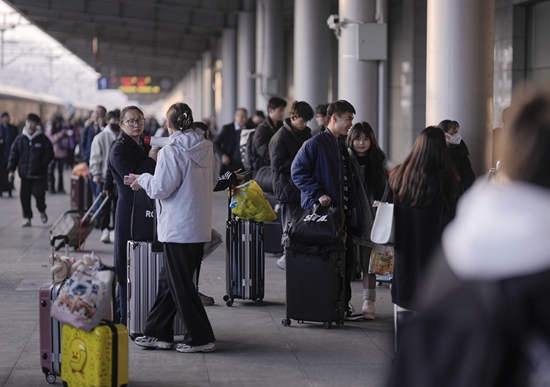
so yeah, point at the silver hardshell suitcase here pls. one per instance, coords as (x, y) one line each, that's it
(144, 267)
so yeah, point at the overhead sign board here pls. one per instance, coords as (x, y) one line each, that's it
(135, 85)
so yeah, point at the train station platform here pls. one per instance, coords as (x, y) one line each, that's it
(253, 348)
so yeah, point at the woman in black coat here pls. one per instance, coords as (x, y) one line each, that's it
(485, 318)
(424, 192)
(127, 155)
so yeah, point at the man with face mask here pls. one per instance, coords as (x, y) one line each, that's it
(31, 153)
(99, 157)
(459, 152)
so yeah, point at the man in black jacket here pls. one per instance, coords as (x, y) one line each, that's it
(260, 142)
(8, 133)
(283, 147)
(226, 143)
(31, 153)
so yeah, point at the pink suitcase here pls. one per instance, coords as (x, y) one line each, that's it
(50, 328)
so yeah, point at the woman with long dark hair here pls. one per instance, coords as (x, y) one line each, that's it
(182, 184)
(485, 319)
(368, 167)
(424, 191)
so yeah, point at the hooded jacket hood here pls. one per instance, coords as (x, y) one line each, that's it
(500, 231)
(194, 146)
(26, 133)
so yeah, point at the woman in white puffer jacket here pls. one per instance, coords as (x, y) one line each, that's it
(183, 183)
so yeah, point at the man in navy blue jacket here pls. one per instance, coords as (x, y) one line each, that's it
(321, 169)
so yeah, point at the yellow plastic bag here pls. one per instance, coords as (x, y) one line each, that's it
(249, 203)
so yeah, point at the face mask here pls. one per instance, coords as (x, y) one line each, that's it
(455, 139)
(115, 127)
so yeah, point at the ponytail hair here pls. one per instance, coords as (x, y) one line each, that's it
(181, 116)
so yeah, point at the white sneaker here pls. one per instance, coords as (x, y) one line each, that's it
(281, 263)
(153, 342)
(105, 237)
(180, 347)
(112, 236)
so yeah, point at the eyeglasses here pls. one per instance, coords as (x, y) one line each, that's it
(135, 122)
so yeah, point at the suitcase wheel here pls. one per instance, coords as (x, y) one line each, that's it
(327, 325)
(258, 302)
(229, 303)
(226, 297)
(286, 322)
(50, 378)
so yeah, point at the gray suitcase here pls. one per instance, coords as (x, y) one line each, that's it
(144, 267)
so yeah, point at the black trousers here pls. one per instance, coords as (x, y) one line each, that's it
(108, 210)
(36, 188)
(177, 293)
(286, 211)
(59, 165)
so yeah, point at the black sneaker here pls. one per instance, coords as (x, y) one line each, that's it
(43, 217)
(206, 300)
(351, 316)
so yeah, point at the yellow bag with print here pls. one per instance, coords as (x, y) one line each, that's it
(249, 203)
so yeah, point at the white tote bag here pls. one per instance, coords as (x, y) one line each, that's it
(383, 229)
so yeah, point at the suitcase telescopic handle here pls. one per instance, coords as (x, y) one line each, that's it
(101, 197)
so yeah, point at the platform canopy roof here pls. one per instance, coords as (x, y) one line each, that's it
(156, 38)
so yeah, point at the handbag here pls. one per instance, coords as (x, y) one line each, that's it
(383, 228)
(143, 219)
(317, 226)
(381, 260)
(85, 298)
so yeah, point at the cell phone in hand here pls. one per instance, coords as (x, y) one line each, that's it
(128, 180)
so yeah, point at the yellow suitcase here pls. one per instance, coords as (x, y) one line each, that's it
(95, 359)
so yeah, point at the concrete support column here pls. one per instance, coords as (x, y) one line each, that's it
(229, 75)
(459, 71)
(207, 81)
(357, 80)
(270, 53)
(311, 53)
(198, 111)
(246, 61)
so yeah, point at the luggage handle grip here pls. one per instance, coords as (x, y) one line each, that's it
(57, 237)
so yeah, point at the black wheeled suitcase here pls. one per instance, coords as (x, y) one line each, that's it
(273, 231)
(144, 267)
(315, 287)
(245, 262)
